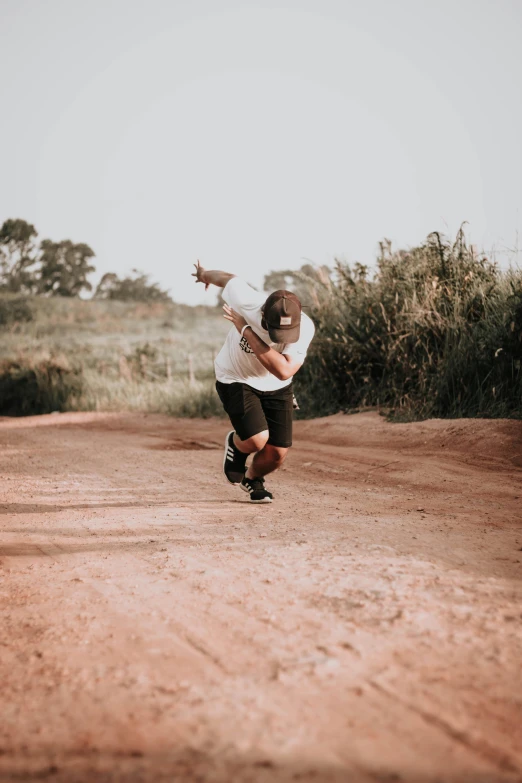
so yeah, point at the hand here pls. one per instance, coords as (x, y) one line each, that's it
(199, 274)
(234, 317)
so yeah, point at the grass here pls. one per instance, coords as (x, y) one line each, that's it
(155, 357)
(435, 332)
(176, 397)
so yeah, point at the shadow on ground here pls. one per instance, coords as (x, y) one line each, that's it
(191, 766)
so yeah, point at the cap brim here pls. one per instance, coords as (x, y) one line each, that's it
(285, 335)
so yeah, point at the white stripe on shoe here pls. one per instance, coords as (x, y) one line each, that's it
(229, 456)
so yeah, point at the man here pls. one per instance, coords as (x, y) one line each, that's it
(254, 372)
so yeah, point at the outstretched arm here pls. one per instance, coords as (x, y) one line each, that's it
(279, 364)
(211, 276)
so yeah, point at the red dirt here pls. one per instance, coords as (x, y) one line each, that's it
(155, 626)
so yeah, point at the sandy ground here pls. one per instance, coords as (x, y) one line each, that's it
(156, 626)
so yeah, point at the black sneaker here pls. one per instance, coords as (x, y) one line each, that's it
(234, 461)
(256, 489)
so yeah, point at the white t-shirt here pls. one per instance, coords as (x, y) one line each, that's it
(236, 362)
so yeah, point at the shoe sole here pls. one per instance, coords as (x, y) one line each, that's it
(234, 483)
(264, 500)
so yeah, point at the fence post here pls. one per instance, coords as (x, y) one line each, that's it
(125, 370)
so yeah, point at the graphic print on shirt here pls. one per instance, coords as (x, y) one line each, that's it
(243, 344)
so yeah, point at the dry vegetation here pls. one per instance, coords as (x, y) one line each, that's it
(435, 331)
(69, 354)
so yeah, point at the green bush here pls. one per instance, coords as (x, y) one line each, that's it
(435, 332)
(28, 388)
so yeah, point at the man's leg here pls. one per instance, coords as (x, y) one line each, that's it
(267, 457)
(252, 444)
(257, 418)
(270, 458)
(250, 432)
(278, 411)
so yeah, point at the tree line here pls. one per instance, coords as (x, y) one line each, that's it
(48, 268)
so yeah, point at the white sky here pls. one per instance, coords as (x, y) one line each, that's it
(255, 134)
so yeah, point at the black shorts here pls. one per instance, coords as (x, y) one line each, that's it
(252, 411)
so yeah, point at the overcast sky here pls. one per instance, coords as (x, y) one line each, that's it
(252, 135)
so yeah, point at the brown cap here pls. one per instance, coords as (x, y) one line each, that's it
(282, 313)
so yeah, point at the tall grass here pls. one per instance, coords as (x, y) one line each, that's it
(115, 356)
(434, 332)
(176, 397)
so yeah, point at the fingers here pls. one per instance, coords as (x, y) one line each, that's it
(198, 274)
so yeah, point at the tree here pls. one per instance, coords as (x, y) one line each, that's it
(64, 267)
(299, 282)
(130, 289)
(107, 285)
(17, 255)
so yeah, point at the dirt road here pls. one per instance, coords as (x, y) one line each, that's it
(156, 626)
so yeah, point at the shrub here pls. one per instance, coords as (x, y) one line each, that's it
(130, 289)
(15, 309)
(28, 388)
(436, 331)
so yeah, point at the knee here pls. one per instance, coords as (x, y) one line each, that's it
(255, 443)
(277, 454)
